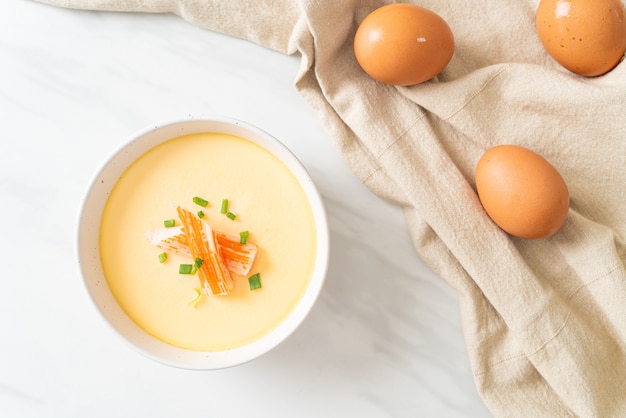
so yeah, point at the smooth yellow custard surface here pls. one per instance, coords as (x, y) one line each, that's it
(268, 202)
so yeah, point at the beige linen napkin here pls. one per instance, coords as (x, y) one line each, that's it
(544, 320)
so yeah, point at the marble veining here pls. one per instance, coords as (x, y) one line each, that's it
(384, 339)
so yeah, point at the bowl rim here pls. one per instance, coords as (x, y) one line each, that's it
(87, 247)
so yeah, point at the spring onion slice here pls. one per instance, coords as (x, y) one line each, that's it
(200, 201)
(185, 269)
(200, 214)
(169, 223)
(224, 207)
(195, 301)
(162, 257)
(231, 216)
(255, 281)
(243, 237)
(198, 263)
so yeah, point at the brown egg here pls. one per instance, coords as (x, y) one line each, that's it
(403, 44)
(588, 37)
(521, 191)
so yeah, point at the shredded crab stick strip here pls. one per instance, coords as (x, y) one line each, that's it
(170, 239)
(213, 274)
(238, 257)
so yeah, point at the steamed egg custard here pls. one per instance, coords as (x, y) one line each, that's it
(264, 201)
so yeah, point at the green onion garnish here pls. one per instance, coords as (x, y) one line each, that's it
(195, 301)
(255, 281)
(224, 207)
(197, 265)
(200, 214)
(200, 201)
(162, 257)
(231, 215)
(169, 223)
(243, 237)
(185, 269)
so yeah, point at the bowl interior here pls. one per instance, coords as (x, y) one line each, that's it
(88, 249)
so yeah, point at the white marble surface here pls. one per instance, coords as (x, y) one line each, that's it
(384, 339)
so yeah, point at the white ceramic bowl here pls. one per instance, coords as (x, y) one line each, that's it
(91, 210)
